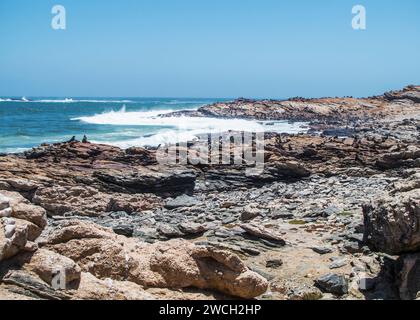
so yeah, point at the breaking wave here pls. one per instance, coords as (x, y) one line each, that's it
(178, 129)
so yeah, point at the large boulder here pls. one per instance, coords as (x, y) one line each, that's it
(180, 264)
(172, 264)
(392, 223)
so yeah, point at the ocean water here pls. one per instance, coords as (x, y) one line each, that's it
(123, 122)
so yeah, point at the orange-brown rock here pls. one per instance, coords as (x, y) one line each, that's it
(172, 264)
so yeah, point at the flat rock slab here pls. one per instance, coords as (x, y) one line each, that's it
(322, 250)
(263, 233)
(181, 201)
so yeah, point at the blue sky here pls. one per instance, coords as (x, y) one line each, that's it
(208, 48)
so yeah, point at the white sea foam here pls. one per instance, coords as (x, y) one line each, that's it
(177, 129)
(13, 150)
(152, 118)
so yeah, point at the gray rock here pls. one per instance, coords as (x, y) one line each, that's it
(333, 283)
(229, 220)
(167, 182)
(330, 210)
(181, 201)
(322, 250)
(250, 251)
(338, 263)
(274, 263)
(34, 285)
(262, 273)
(124, 229)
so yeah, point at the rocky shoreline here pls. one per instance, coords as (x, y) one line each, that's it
(334, 215)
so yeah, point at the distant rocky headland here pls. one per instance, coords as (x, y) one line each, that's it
(335, 214)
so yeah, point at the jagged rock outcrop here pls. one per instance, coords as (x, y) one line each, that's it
(408, 158)
(392, 223)
(105, 168)
(159, 180)
(88, 201)
(409, 93)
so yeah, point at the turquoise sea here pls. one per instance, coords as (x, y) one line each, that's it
(124, 122)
